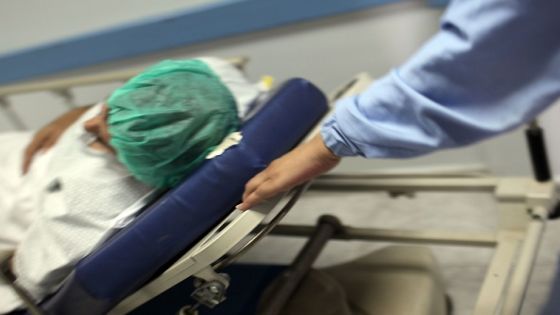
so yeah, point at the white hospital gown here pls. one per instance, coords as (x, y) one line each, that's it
(70, 201)
(18, 199)
(72, 198)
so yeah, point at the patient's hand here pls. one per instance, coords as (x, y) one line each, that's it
(298, 166)
(47, 136)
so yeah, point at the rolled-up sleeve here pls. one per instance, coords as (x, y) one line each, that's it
(493, 65)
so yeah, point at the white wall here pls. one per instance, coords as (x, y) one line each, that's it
(25, 23)
(329, 52)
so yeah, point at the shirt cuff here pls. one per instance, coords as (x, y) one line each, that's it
(335, 140)
(377, 123)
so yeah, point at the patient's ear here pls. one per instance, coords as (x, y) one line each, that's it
(104, 134)
(104, 112)
(92, 124)
(97, 122)
(98, 126)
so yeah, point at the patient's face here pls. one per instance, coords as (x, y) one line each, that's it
(98, 126)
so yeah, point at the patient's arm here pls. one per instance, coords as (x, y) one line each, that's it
(47, 136)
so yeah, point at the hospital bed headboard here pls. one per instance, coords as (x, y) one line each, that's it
(62, 87)
(184, 215)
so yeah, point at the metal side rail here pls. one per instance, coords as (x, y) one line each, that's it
(523, 206)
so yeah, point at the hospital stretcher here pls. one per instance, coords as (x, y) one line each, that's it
(194, 231)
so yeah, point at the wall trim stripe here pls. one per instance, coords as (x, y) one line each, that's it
(202, 24)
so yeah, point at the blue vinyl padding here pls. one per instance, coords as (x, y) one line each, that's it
(180, 218)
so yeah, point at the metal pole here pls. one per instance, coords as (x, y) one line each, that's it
(291, 278)
(523, 269)
(537, 151)
(498, 274)
(11, 114)
(483, 239)
(9, 278)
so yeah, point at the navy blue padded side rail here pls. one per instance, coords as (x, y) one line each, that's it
(184, 215)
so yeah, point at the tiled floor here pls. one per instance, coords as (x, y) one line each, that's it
(463, 267)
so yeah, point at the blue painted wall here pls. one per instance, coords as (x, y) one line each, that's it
(212, 22)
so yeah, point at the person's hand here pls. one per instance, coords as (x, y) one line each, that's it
(47, 136)
(298, 166)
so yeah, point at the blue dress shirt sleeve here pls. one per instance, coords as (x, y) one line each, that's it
(493, 65)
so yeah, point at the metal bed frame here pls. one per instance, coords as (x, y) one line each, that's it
(523, 206)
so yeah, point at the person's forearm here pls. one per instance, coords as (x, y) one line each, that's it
(493, 65)
(47, 136)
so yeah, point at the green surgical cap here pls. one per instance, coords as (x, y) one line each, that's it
(164, 121)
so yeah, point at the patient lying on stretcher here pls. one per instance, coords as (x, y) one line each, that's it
(107, 163)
